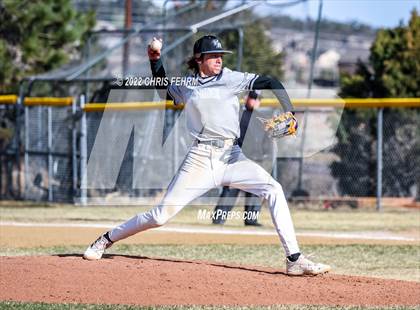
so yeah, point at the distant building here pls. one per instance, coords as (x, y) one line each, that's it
(348, 62)
(326, 69)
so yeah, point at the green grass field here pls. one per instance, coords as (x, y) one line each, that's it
(344, 220)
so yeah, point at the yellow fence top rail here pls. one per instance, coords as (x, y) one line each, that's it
(35, 101)
(358, 102)
(49, 101)
(8, 99)
(145, 105)
(268, 102)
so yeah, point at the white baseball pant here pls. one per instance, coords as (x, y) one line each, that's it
(204, 168)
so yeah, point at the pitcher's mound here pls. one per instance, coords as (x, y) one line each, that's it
(153, 281)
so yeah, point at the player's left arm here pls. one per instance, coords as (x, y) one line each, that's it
(284, 124)
(268, 82)
(278, 126)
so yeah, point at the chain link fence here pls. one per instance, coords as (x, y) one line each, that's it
(348, 167)
(49, 153)
(10, 181)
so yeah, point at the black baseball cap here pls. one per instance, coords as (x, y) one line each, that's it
(208, 44)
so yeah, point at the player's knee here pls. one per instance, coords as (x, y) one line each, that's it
(159, 221)
(161, 215)
(274, 189)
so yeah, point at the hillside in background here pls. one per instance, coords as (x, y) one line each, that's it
(352, 28)
(340, 47)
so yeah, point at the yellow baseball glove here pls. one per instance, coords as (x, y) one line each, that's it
(280, 126)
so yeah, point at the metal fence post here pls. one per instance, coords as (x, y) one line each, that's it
(26, 155)
(83, 153)
(19, 106)
(379, 159)
(50, 159)
(74, 146)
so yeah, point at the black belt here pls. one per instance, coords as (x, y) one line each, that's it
(218, 143)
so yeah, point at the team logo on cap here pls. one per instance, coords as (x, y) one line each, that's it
(216, 44)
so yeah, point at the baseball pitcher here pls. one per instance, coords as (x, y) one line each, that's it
(215, 159)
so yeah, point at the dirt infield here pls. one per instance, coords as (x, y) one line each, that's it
(153, 281)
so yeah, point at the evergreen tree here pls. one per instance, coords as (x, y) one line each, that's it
(393, 71)
(38, 36)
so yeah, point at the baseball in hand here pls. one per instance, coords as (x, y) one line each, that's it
(156, 44)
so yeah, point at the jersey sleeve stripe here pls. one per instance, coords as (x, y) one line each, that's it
(251, 83)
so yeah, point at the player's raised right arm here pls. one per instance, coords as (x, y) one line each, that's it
(158, 71)
(154, 52)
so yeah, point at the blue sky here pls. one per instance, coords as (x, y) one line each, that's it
(378, 13)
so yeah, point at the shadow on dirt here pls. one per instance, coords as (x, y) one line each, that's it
(173, 260)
